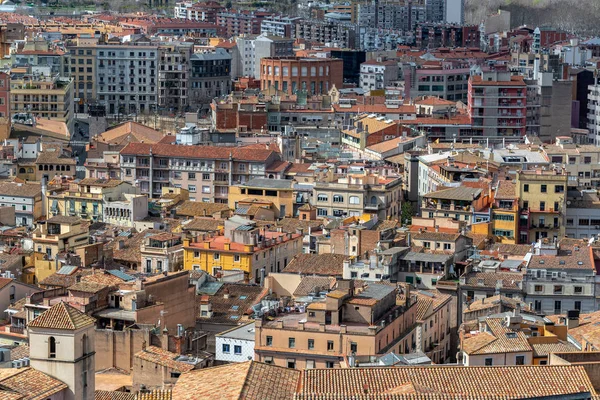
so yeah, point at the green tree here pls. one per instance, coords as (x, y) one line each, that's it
(406, 213)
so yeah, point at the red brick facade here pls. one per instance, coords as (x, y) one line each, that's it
(291, 74)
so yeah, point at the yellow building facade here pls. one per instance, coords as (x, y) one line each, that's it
(542, 202)
(221, 254)
(277, 191)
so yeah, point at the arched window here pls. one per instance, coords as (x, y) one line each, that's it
(41, 167)
(51, 347)
(354, 200)
(338, 198)
(84, 344)
(21, 170)
(321, 197)
(374, 200)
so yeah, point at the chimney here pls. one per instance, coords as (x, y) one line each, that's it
(226, 293)
(437, 228)
(226, 246)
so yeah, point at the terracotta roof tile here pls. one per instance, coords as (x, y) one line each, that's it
(62, 316)
(240, 299)
(506, 190)
(130, 132)
(165, 358)
(87, 287)
(544, 349)
(310, 284)
(200, 209)
(248, 380)
(490, 279)
(451, 381)
(111, 395)
(30, 383)
(203, 225)
(200, 152)
(317, 264)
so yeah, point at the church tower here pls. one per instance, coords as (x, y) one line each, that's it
(61, 342)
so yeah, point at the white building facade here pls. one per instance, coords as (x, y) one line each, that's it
(236, 345)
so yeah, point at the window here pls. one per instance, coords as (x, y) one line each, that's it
(557, 306)
(51, 347)
(542, 206)
(175, 375)
(489, 362)
(321, 197)
(584, 222)
(84, 344)
(520, 360)
(310, 364)
(559, 189)
(205, 189)
(205, 177)
(353, 347)
(558, 289)
(192, 175)
(311, 344)
(291, 363)
(543, 188)
(216, 256)
(328, 364)
(192, 188)
(353, 200)
(526, 188)
(269, 341)
(226, 348)
(538, 288)
(85, 379)
(236, 258)
(577, 305)
(338, 198)
(237, 350)
(330, 345)
(578, 289)
(292, 343)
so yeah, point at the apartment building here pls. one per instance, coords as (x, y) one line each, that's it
(498, 104)
(450, 81)
(433, 325)
(459, 203)
(549, 115)
(357, 322)
(210, 77)
(206, 11)
(514, 339)
(593, 115)
(125, 209)
(88, 198)
(206, 172)
(41, 54)
(277, 194)
(278, 25)
(505, 213)
(25, 198)
(378, 74)
(239, 23)
(430, 35)
(359, 194)
(48, 96)
(83, 72)
(266, 46)
(340, 35)
(56, 235)
(161, 253)
(174, 75)
(581, 162)
(561, 277)
(291, 74)
(542, 204)
(244, 247)
(126, 77)
(247, 52)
